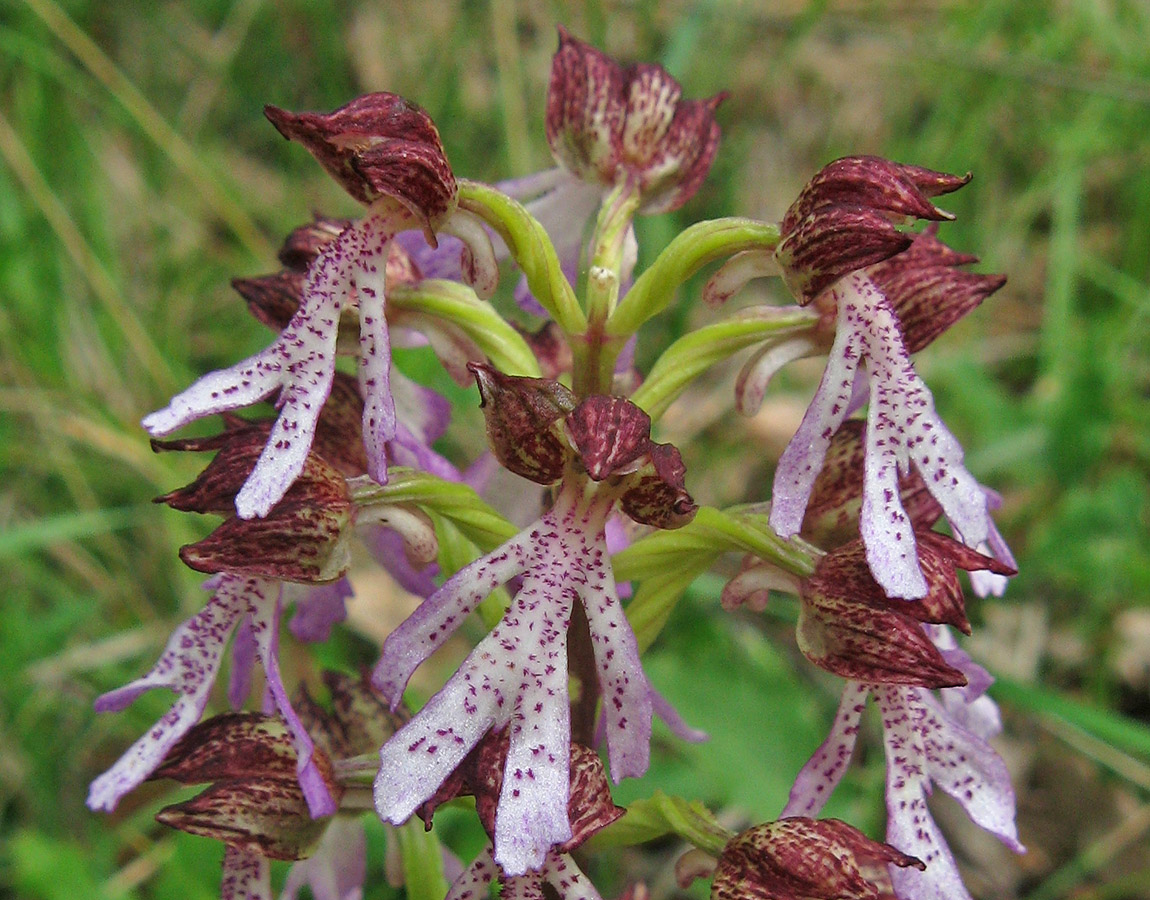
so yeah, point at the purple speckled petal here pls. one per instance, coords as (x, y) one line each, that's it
(561, 872)
(968, 769)
(265, 617)
(825, 768)
(374, 345)
(317, 608)
(243, 658)
(671, 718)
(903, 429)
(627, 707)
(803, 457)
(336, 870)
(910, 827)
(301, 362)
(187, 666)
(387, 548)
(532, 814)
(247, 876)
(474, 882)
(522, 887)
(426, 629)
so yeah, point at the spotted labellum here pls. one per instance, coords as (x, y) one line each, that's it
(517, 677)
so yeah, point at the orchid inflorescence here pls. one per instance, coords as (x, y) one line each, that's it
(849, 527)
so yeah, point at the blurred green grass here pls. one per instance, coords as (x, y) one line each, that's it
(137, 176)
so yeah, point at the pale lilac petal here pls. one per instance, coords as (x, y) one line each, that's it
(336, 870)
(991, 584)
(374, 346)
(242, 384)
(247, 876)
(968, 769)
(565, 212)
(265, 617)
(243, 659)
(627, 707)
(433, 622)
(407, 449)
(444, 261)
(803, 457)
(527, 187)
(474, 882)
(187, 666)
(618, 539)
(675, 722)
(318, 608)
(825, 768)
(532, 814)
(479, 474)
(561, 872)
(910, 826)
(387, 548)
(755, 376)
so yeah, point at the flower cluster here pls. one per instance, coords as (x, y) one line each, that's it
(557, 677)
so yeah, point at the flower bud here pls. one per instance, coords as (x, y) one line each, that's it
(303, 538)
(521, 414)
(897, 191)
(256, 804)
(659, 496)
(610, 435)
(849, 627)
(379, 145)
(844, 219)
(813, 859)
(605, 122)
(847, 624)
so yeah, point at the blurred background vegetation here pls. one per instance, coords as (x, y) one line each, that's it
(137, 176)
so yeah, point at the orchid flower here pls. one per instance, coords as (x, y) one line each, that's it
(387, 154)
(925, 746)
(840, 224)
(189, 666)
(601, 452)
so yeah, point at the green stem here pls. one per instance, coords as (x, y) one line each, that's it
(686, 254)
(692, 354)
(458, 304)
(531, 248)
(594, 353)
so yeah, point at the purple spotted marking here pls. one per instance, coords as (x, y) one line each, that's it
(300, 364)
(925, 746)
(188, 666)
(517, 677)
(903, 430)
